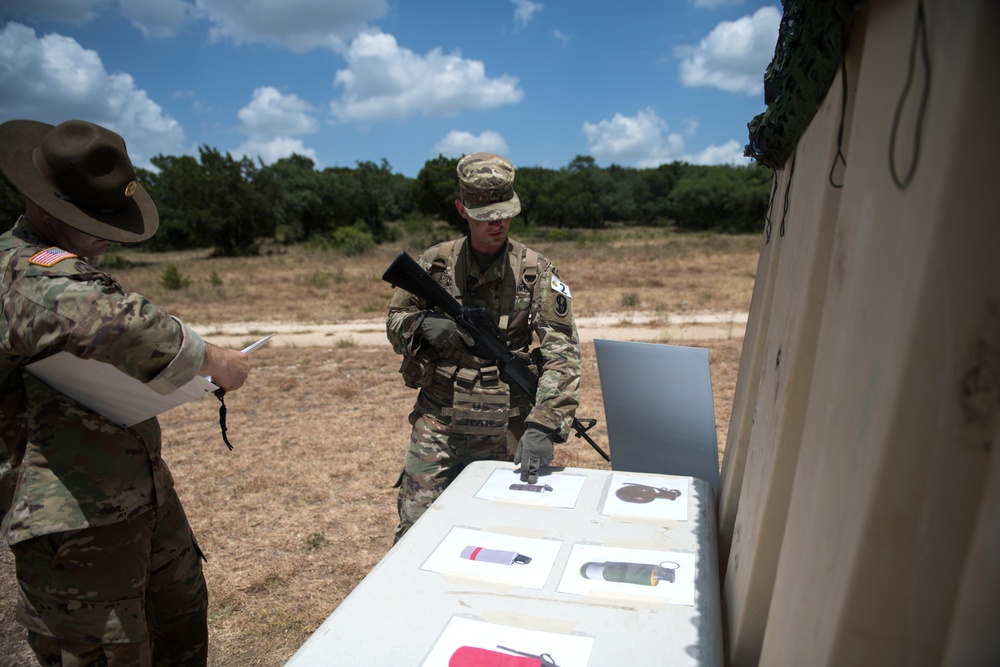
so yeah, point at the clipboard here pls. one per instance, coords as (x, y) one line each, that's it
(120, 398)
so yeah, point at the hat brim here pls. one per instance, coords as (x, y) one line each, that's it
(136, 222)
(503, 210)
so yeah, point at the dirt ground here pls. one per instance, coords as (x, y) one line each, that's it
(304, 506)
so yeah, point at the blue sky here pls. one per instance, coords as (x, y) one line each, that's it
(634, 82)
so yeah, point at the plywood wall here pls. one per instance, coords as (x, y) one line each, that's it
(858, 507)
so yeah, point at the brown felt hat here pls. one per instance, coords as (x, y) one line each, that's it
(81, 174)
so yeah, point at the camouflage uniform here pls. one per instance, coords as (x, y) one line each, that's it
(107, 566)
(525, 296)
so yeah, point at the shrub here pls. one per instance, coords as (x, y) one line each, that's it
(555, 235)
(172, 279)
(630, 300)
(353, 241)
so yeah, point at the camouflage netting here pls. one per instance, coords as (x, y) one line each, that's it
(811, 43)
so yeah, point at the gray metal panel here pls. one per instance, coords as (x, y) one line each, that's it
(658, 409)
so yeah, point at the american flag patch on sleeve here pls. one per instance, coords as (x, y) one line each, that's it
(50, 256)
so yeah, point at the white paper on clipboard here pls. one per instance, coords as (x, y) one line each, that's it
(119, 397)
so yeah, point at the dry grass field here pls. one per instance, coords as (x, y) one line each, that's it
(303, 507)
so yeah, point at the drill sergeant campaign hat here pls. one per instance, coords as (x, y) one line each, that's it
(486, 182)
(81, 174)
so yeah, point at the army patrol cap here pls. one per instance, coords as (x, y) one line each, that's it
(486, 182)
(80, 173)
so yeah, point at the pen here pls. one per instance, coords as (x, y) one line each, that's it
(248, 349)
(254, 346)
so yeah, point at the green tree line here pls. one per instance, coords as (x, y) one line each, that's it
(233, 205)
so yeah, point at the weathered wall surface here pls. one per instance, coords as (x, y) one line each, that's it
(859, 519)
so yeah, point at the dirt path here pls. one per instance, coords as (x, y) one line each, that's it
(648, 327)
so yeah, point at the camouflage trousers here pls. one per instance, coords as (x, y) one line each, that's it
(130, 593)
(436, 456)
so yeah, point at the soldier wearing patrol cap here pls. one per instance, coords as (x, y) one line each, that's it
(108, 570)
(464, 411)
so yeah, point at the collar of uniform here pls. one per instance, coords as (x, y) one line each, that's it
(496, 268)
(26, 231)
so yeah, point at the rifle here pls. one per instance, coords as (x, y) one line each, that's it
(491, 340)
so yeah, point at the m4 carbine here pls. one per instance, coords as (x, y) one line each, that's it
(491, 341)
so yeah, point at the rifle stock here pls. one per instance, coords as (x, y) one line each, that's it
(491, 341)
(406, 273)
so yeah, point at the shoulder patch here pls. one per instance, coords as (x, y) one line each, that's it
(561, 287)
(561, 306)
(50, 256)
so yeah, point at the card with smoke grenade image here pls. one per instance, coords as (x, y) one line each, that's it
(486, 556)
(469, 642)
(595, 570)
(650, 496)
(550, 490)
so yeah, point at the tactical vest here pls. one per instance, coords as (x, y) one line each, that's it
(481, 402)
(522, 261)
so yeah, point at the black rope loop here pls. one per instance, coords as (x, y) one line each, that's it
(220, 393)
(788, 189)
(919, 34)
(839, 157)
(770, 207)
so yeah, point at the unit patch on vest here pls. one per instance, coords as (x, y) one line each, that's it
(562, 305)
(562, 297)
(50, 257)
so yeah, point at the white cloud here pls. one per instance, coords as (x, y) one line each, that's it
(299, 25)
(730, 152)
(272, 121)
(457, 143)
(52, 79)
(271, 114)
(524, 11)
(384, 81)
(734, 55)
(562, 37)
(68, 11)
(272, 150)
(642, 140)
(157, 18)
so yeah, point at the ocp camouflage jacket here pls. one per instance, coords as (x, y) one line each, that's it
(63, 466)
(526, 299)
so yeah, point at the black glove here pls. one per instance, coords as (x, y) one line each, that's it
(534, 450)
(443, 333)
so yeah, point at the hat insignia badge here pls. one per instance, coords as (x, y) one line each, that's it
(131, 188)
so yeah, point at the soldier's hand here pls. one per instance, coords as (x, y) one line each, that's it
(228, 368)
(443, 333)
(534, 450)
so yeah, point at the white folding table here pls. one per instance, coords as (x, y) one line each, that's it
(607, 581)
